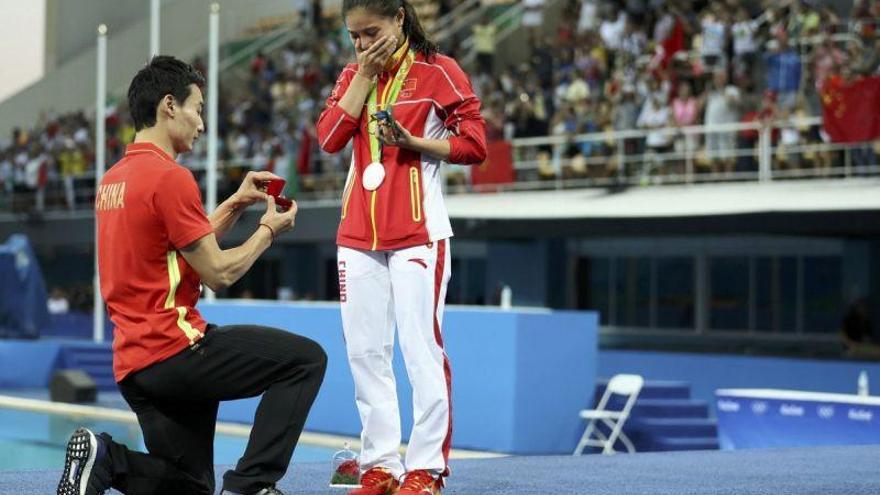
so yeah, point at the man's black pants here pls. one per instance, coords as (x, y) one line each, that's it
(176, 403)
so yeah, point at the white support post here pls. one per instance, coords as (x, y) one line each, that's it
(155, 20)
(100, 165)
(213, 85)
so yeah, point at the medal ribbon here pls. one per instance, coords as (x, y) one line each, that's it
(389, 96)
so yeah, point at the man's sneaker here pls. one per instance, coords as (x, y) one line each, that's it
(87, 469)
(376, 481)
(420, 482)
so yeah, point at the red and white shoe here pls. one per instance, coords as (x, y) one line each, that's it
(377, 481)
(420, 482)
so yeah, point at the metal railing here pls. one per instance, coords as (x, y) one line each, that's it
(621, 158)
(614, 158)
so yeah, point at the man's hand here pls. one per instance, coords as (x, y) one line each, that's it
(278, 222)
(252, 189)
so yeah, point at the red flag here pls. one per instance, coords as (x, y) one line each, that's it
(498, 167)
(304, 160)
(673, 43)
(851, 110)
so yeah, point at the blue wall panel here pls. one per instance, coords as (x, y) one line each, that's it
(27, 364)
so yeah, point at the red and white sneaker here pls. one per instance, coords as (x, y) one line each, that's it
(377, 481)
(420, 482)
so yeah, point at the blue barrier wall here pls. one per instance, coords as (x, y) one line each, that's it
(708, 372)
(28, 364)
(518, 376)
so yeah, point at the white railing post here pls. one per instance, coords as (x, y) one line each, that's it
(689, 148)
(765, 144)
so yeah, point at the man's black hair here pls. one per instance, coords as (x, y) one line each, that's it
(164, 75)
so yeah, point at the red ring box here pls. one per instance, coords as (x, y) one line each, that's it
(274, 187)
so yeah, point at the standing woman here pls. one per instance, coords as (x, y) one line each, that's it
(394, 253)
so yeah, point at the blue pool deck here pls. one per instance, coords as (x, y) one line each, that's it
(800, 471)
(37, 440)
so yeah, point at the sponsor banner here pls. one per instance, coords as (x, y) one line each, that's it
(760, 420)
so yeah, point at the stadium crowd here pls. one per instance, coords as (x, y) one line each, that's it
(610, 65)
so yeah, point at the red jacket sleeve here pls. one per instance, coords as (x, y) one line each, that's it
(463, 118)
(335, 126)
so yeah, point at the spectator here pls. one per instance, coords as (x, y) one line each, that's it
(864, 58)
(857, 332)
(36, 170)
(57, 302)
(542, 61)
(685, 112)
(745, 43)
(634, 40)
(485, 33)
(533, 15)
(722, 107)
(72, 164)
(789, 137)
(826, 59)
(714, 37)
(654, 116)
(783, 72)
(748, 138)
(588, 19)
(612, 27)
(625, 115)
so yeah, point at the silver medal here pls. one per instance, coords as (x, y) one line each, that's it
(374, 174)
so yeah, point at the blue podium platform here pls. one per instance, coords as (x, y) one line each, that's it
(760, 418)
(518, 377)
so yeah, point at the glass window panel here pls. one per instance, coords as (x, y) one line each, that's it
(729, 293)
(593, 284)
(765, 294)
(822, 294)
(787, 294)
(633, 289)
(675, 292)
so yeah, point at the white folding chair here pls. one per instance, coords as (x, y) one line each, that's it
(627, 386)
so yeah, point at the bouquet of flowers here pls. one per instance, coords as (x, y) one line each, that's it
(346, 471)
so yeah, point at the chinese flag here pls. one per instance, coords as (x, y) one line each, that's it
(498, 167)
(851, 110)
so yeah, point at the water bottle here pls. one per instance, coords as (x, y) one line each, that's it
(863, 383)
(506, 297)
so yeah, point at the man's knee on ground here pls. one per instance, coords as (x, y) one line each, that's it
(314, 354)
